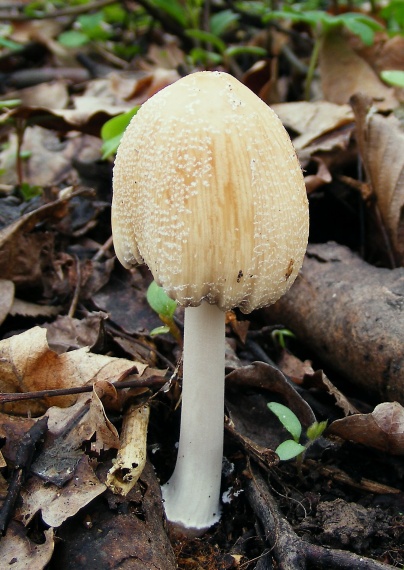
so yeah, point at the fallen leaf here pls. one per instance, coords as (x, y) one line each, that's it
(6, 298)
(383, 429)
(320, 381)
(58, 504)
(344, 73)
(380, 137)
(27, 364)
(312, 120)
(18, 552)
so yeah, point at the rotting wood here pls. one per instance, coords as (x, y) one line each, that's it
(351, 314)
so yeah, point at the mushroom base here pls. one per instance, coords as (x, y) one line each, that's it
(191, 496)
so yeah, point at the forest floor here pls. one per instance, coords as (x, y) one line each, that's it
(77, 360)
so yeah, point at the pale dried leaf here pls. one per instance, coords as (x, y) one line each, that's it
(382, 429)
(27, 364)
(57, 504)
(320, 381)
(107, 436)
(344, 73)
(6, 297)
(381, 144)
(312, 120)
(27, 309)
(18, 552)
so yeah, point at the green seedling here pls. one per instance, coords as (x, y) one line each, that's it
(165, 307)
(322, 23)
(292, 448)
(279, 336)
(112, 131)
(394, 77)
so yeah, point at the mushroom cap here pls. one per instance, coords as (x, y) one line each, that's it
(209, 193)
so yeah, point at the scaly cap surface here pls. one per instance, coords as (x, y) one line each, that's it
(208, 192)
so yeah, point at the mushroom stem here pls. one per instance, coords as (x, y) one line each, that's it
(191, 496)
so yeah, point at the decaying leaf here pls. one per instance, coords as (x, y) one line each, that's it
(320, 381)
(344, 73)
(27, 364)
(18, 552)
(6, 298)
(58, 504)
(382, 429)
(381, 144)
(312, 120)
(131, 458)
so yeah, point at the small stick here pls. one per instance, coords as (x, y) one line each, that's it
(149, 382)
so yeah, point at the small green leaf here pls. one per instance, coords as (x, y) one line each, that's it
(222, 21)
(394, 77)
(235, 51)
(289, 449)
(159, 301)
(112, 131)
(207, 38)
(28, 191)
(288, 419)
(315, 430)
(160, 330)
(173, 9)
(73, 39)
(9, 103)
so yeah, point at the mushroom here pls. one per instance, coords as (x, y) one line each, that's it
(209, 193)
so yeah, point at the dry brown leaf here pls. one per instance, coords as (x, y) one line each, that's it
(312, 120)
(6, 298)
(26, 309)
(58, 504)
(320, 381)
(344, 73)
(27, 364)
(45, 147)
(381, 145)
(107, 436)
(68, 429)
(66, 333)
(293, 367)
(382, 429)
(18, 552)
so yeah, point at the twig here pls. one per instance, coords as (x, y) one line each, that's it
(103, 249)
(290, 551)
(149, 382)
(24, 457)
(70, 11)
(75, 300)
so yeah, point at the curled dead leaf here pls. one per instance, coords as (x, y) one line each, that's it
(383, 429)
(27, 364)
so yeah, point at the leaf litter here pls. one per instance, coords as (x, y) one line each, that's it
(71, 318)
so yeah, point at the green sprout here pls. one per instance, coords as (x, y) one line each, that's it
(165, 307)
(112, 131)
(279, 336)
(292, 447)
(394, 77)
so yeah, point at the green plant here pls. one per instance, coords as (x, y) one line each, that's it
(279, 336)
(322, 23)
(394, 77)
(291, 448)
(112, 131)
(165, 307)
